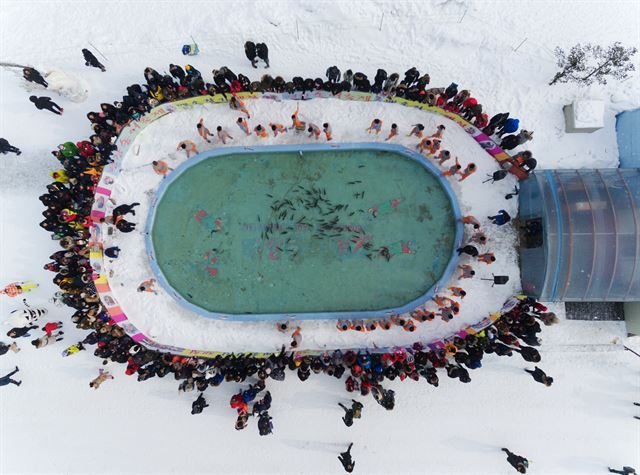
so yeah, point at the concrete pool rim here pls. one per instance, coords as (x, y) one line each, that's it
(384, 313)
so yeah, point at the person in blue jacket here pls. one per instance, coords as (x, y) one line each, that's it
(501, 218)
(510, 126)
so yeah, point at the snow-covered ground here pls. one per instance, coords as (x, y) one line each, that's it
(54, 423)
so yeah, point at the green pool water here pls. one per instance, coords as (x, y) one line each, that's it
(284, 233)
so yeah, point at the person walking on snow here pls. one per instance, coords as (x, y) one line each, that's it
(346, 460)
(516, 461)
(439, 132)
(198, 405)
(6, 379)
(296, 337)
(540, 376)
(625, 470)
(91, 60)
(328, 131)
(393, 132)
(18, 288)
(417, 130)
(469, 170)
(45, 102)
(147, 286)
(203, 131)
(296, 123)
(223, 135)
(376, 126)
(348, 415)
(479, 238)
(501, 218)
(443, 156)
(33, 75)
(6, 147)
(50, 327)
(467, 272)
(188, 146)
(244, 125)
(314, 130)
(101, 378)
(356, 407)
(457, 292)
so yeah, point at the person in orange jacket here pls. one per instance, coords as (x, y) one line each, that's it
(244, 125)
(469, 170)
(453, 169)
(487, 258)
(328, 131)
(393, 132)
(277, 129)
(260, 131)
(296, 337)
(471, 220)
(314, 130)
(188, 146)
(203, 131)
(376, 126)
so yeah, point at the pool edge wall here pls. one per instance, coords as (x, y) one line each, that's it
(416, 157)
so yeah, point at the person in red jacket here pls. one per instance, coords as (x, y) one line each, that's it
(237, 402)
(50, 327)
(481, 121)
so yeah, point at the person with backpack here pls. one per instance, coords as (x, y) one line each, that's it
(346, 460)
(91, 60)
(33, 75)
(250, 53)
(333, 74)
(45, 102)
(263, 53)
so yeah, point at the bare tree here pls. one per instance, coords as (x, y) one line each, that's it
(586, 64)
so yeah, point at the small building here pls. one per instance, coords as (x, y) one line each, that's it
(580, 235)
(628, 135)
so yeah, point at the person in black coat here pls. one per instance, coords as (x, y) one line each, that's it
(378, 81)
(346, 460)
(198, 405)
(348, 415)
(6, 379)
(177, 72)
(516, 461)
(91, 60)
(540, 376)
(124, 209)
(45, 102)
(509, 142)
(250, 52)
(263, 53)
(333, 74)
(625, 470)
(32, 75)
(468, 249)
(6, 147)
(411, 76)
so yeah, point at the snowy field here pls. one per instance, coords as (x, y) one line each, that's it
(54, 423)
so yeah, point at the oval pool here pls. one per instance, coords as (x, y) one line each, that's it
(304, 231)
